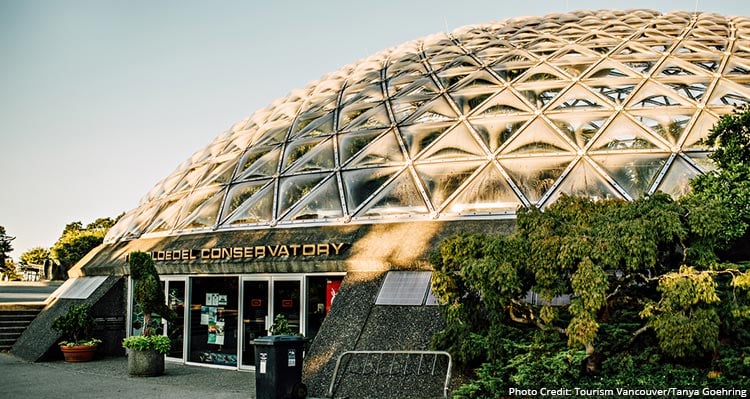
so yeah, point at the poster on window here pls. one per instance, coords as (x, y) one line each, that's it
(332, 289)
(208, 314)
(215, 317)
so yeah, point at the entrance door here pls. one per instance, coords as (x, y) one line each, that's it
(254, 316)
(263, 299)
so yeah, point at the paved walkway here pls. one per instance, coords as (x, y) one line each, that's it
(108, 378)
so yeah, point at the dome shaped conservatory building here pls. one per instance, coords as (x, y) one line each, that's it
(341, 188)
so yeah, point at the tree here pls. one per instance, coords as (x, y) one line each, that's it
(628, 286)
(35, 256)
(76, 241)
(5, 246)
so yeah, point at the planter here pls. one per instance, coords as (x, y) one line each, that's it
(78, 353)
(148, 363)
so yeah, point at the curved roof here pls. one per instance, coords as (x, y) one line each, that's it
(471, 124)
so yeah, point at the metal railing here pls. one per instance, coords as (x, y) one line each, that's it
(387, 363)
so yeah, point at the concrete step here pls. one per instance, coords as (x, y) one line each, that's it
(13, 322)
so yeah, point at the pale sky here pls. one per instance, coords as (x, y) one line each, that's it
(101, 99)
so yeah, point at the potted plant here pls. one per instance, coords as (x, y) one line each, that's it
(146, 351)
(75, 327)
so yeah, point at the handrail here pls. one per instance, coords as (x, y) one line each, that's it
(404, 352)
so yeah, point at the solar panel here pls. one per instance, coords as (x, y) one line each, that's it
(404, 288)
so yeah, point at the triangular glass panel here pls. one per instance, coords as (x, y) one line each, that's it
(239, 194)
(469, 99)
(352, 142)
(583, 181)
(535, 176)
(434, 111)
(654, 95)
(404, 107)
(373, 118)
(480, 80)
(488, 192)
(418, 137)
(728, 93)
(320, 158)
(635, 173)
(737, 66)
(441, 180)
(598, 42)
(542, 73)
(272, 136)
(580, 99)
(204, 210)
(496, 131)
(221, 173)
(503, 103)
(261, 162)
(451, 77)
(674, 68)
(423, 86)
(580, 127)
(319, 126)
(622, 134)
(458, 143)
(669, 126)
(400, 197)
(537, 138)
(353, 111)
(692, 90)
(167, 215)
(192, 177)
(255, 209)
(707, 62)
(323, 203)
(700, 130)
(676, 182)
(616, 93)
(383, 151)
(297, 150)
(360, 184)
(293, 189)
(703, 161)
(609, 70)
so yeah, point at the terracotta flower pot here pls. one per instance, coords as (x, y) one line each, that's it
(78, 353)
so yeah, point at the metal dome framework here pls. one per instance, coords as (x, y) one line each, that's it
(475, 123)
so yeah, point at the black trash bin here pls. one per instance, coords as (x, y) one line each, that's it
(278, 367)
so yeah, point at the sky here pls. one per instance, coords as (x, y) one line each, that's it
(101, 99)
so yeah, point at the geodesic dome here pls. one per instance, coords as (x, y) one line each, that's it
(471, 124)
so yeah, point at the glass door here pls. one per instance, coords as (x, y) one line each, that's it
(175, 290)
(286, 302)
(255, 321)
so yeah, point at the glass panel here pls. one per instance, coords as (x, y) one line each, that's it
(292, 189)
(487, 192)
(535, 176)
(458, 143)
(213, 320)
(443, 179)
(176, 330)
(258, 208)
(623, 134)
(584, 181)
(360, 184)
(323, 203)
(254, 317)
(537, 138)
(259, 163)
(667, 125)
(496, 131)
(417, 137)
(633, 172)
(321, 291)
(298, 149)
(699, 131)
(286, 302)
(317, 159)
(240, 193)
(400, 197)
(352, 143)
(677, 180)
(384, 150)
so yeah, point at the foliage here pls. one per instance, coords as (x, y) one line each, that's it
(76, 241)
(75, 326)
(603, 293)
(281, 326)
(35, 256)
(159, 343)
(5, 247)
(148, 292)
